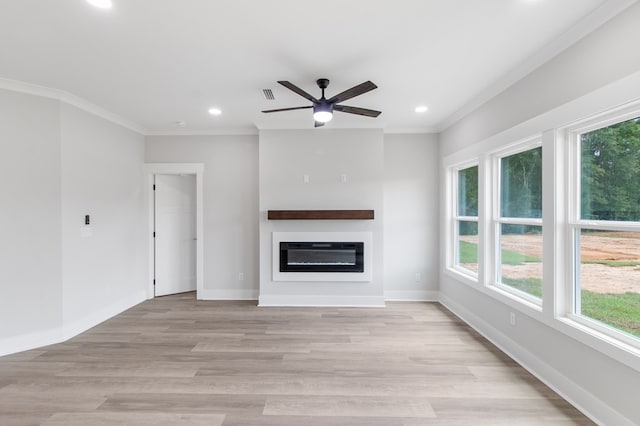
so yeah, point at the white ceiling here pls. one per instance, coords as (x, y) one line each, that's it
(156, 62)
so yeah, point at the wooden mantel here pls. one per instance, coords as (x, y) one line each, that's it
(320, 214)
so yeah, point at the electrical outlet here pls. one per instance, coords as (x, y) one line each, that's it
(240, 276)
(418, 277)
(512, 318)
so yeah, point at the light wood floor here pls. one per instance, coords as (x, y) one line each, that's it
(175, 361)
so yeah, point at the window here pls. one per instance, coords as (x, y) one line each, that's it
(518, 227)
(606, 228)
(586, 175)
(466, 221)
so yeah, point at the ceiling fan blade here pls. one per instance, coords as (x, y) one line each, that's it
(353, 92)
(318, 124)
(356, 110)
(298, 90)
(288, 109)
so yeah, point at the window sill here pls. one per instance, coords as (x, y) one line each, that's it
(618, 350)
(463, 275)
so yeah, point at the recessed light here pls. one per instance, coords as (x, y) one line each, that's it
(102, 4)
(214, 111)
(422, 108)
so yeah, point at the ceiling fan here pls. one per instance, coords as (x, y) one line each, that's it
(323, 108)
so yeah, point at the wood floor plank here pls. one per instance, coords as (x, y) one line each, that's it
(18, 399)
(349, 406)
(23, 418)
(133, 419)
(175, 360)
(543, 411)
(273, 420)
(184, 403)
(131, 369)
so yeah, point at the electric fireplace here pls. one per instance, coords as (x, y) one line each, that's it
(321, 256)
(305, 257)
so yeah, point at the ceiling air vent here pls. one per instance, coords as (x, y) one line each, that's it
(268, 94)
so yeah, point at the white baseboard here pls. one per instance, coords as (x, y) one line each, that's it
(586, 402)
(320, 300)
(227, 294)
(62, 333)
(412, 296)
(74, 327)
(25, 342)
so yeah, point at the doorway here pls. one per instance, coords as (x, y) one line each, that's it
(174, 233)
(175, 218)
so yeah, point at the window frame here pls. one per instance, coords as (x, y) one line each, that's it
(575, 225)
(453, 252)
(497, 220)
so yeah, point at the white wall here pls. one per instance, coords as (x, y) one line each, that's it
(30, 236)
(411, 215)
(102, 177)
(58, 163)
(603, 387)
(230, 207)
(407, 176)
(324, 155)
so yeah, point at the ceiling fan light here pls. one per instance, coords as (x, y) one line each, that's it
(323, 113)
(322, 116)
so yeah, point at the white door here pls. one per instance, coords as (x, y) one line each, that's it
(175, 234)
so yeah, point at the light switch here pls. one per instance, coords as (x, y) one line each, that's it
(343, 178)
(305, 178)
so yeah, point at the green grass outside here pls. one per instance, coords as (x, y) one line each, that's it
(613, 263)
(514, 258)
(469, 254)
(621, 311)
(532, 286)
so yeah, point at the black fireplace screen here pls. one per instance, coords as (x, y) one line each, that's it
(321, 257)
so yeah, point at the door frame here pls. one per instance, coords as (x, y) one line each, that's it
(197, 169)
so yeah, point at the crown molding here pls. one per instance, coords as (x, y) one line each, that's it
(410, 130)
(232, 131)
(68, 98)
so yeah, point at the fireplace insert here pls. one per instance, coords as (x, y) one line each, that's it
(321, 256)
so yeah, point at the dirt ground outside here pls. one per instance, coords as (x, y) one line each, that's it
(598, 247)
